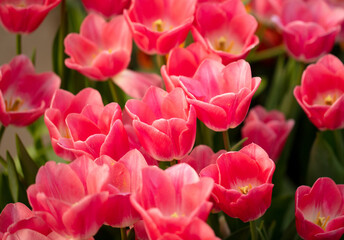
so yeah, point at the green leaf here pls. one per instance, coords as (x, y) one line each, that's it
(12, 177)
(5, 194)
(242, 234)
(29, 167)
(323, 161)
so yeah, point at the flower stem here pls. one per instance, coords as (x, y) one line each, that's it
(113, 91)
(266, 54)
(19, 44)
(226, 140)
(253, 229)
(2, 131)
(61, 37)
(339, 143)
(124, 234)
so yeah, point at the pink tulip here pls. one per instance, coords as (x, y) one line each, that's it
(319, 211)
(125, 178)
(102, 49)
(174, 203)
(243, 185)
(321, 94)
(24, 95)
(269, 130)
(26, 15)
(82, 125)
(70, 197)
(19, 222)
(265, 9)
(309, 28)
(221, 95)
(164, 122)
(107, 8)
(158, 26)
(201, 156)
(226, 29)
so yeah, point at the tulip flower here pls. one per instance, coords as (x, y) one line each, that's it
(321, 94)
(24, 16)
(159, 26)
(17, 221)
(24, 94)
(226, 29)
(164, 123)
(243, 185)
(107, 8)
(69, 197)
(82, 125)
(174, 203)
(221, 95)
(269, 130)
(319, 211)
(102, 49)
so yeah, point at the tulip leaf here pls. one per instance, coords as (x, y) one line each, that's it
(323, 161)
(29, 167)
(5, 196)
(243, 234)
(12, 177)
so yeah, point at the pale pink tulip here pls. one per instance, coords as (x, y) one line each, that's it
(102, 49)
(107, 8)
(24, 94)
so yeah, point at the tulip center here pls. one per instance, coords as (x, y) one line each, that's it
(245, 189)
(321, 221)
(329, 99)
(158, 25)
(222, 44)
(176, 215)
(13, 105)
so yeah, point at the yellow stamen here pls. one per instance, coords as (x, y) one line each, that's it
(174, 215)
(13, 106)
(244, 190)
(329, 100)
(221, 45)
(158, 25)
(321, 221)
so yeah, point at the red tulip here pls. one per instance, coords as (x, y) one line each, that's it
(243, 185)
(158, 26)
(321, 94)
(269, 130)
(102, 49)
(319, 211)
(107, 8)
(26, 15)
(24, 95)
(164, 122)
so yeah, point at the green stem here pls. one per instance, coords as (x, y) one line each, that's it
(62, 35)
(19, 44)
(226, 142)
(339, 144)
(2, 131)
(113, 91)
(124, 234)
(266, 54)
(253, 229)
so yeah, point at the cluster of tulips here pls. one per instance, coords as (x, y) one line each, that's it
(151, 156)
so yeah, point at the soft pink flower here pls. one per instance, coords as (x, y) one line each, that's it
(243, 185)
(221, 95)
(24, 95)
(24, 16)
(319, 211)
(70, 197)
(158, 26)
(201, 156)
(82, 125)
(226, 29)
(102, 49)
(107, 8)
(269, 130)
(125, 178)
(174, 203)
(164, 123)
(265, 9)
(309, 28)
(18, 222)
(321, 94)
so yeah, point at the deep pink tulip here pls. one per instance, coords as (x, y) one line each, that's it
(269, 130)
(125, 178)
(158, 26)
(107, 8)
(319, 211)
(24, 95)
(221, 95)
(321, 94)
(174, 203)
(165, 123)
(243, 185)
(201, 156)
(69, 197)
(309, 28)
(226, 29)
(24, 16)
(82, 125)
(17, 221)
(102, 49)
